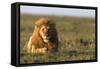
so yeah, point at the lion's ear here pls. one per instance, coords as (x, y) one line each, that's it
(37, 24)
(36, 27)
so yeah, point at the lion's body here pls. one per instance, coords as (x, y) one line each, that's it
(44, 38)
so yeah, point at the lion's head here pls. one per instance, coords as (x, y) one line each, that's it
(44, 36)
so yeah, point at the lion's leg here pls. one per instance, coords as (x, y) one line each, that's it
(51, 47)
(29, 46)
(39, 50)
(42, 50)
(33, 50)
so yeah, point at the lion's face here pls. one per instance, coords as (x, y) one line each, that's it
(44, 32)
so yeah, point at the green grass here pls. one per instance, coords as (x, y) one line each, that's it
(70, 29)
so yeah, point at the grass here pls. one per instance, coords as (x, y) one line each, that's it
(70, 29)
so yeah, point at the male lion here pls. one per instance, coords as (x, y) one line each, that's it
(44, 38)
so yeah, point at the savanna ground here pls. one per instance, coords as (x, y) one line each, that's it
(70, 31)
